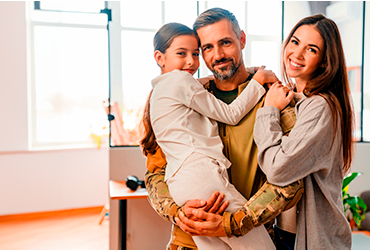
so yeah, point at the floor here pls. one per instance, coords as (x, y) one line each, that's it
(77, 229)
(72, 229)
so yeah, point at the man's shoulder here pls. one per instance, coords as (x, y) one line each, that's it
(209, 86)
(244, 84)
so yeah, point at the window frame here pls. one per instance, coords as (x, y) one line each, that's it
(32, 9)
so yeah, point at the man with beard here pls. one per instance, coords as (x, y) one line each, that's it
(222, 43)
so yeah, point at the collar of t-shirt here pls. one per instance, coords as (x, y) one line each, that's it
(225, 96)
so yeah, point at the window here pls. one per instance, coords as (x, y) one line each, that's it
(69, 72)
(132, 30)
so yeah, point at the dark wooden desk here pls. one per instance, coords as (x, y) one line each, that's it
(119, 191)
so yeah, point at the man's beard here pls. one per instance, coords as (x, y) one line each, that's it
(225, 72)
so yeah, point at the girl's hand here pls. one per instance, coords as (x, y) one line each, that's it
(278, 96)
(265, 76)
(252, 70)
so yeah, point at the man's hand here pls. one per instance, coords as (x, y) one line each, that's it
(214, 204)
(209, 224)
(204, 217)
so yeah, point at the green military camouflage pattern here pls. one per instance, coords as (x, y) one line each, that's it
(288, 118)
(266, 204)
(159, 195)
(162, 202)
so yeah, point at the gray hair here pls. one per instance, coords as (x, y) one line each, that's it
(215, 15)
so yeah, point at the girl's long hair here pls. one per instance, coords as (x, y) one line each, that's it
(330, 81)
(162, 41)
(148, 143)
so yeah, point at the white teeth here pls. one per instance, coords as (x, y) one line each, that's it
(295, 65)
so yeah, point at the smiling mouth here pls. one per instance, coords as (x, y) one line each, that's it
(221, 63)
(295, 65)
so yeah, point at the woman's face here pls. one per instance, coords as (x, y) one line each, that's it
(304, 54)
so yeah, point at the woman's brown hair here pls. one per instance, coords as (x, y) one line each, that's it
(162, 41)
(330, 81)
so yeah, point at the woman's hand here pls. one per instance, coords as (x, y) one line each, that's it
(263, 76)
(278, 96)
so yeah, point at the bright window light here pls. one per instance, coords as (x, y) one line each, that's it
(80, 6)
(264, 18)
(137, 55)
(186, 16)
(265, 53)
(71, 83)
(139, 14)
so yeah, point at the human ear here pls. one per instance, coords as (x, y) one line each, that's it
(159, 58)
(243, 39)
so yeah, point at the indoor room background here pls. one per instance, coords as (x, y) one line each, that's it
(62, 63)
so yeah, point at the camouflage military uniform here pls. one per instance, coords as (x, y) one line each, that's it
(268, 202)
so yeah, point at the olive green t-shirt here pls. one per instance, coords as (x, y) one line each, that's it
(239, 146)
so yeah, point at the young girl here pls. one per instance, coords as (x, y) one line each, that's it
(319, 147)
(183, 120)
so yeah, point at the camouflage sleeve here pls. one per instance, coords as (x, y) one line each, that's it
(265, 205)
(159, 195)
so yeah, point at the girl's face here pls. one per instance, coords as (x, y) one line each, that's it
(304, 54)
(183, 54)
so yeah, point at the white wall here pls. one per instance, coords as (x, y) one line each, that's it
(13, 77)
(361, 163)
(53, 180)
(46, 180)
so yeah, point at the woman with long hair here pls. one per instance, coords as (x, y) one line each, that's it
(319, 148)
